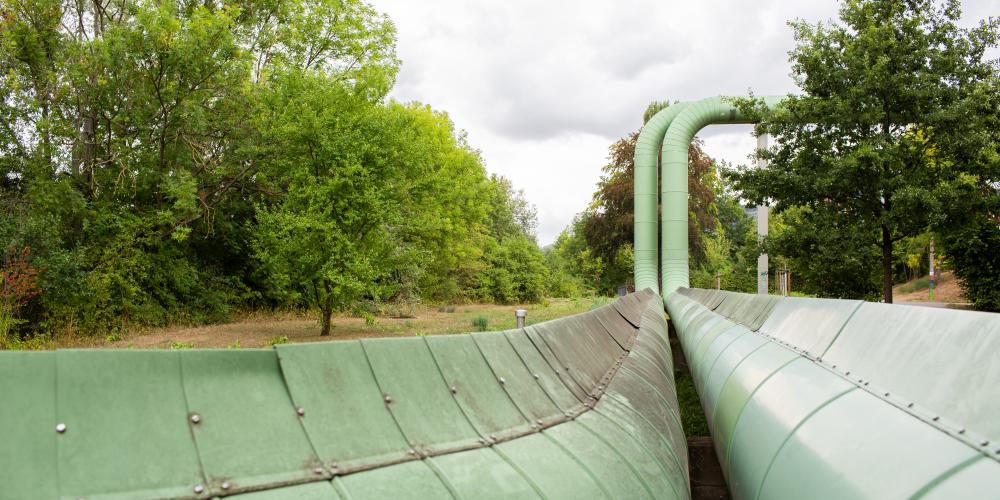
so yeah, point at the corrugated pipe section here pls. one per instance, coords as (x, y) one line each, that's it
(674, 188)
(844, 399)
(646, 224)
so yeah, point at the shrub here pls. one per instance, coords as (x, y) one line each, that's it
(481, 323)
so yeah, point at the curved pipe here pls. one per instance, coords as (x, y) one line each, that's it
(674, 185)
(645, 219)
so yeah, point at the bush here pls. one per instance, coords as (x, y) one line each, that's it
(481, 323)
(972, 251)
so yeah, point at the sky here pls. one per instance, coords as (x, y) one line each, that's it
(543, 88)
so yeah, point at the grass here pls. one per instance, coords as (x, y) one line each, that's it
(255, 329)
(915, 285)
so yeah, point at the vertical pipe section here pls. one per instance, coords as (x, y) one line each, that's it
(674, 185)
(762, 217)
(646, 219)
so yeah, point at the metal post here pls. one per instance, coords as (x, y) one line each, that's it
(718, 281)
(930, 287)
(762, 214)
(520, 314)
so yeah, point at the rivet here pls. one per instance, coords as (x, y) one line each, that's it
(536, 376)
(493, 438)
(998, 451)
(985, 443)
(454, 390)
(887, 394)
(539, 422)
(910, 405)
(195, 418)
(301, 411)
(834, 367)
(503, 380)
(318, 471)
(866, 384)
(60, 428)
(819, 360)
(483, 441)
(334, 466)
(225, 485)
(861, 380)
(198, 489)
(936, 418)
(961, 431)
(412, 451)
(388, 398)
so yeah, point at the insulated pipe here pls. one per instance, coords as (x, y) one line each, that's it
(645, 220)
(674, 182)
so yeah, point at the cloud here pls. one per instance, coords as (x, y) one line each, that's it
(543, 88)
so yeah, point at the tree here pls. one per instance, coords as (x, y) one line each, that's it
(890, 112)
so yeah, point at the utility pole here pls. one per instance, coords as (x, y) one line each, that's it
(762, 213)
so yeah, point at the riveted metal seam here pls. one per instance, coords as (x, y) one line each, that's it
(557, 369)
(382, 395)
(445, 385)
(540, 385)
(288, 392)
(194, 439)
(338, 485)
(506, 391)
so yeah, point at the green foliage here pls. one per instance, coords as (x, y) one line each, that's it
(169, 161)
(897, 105)
(176, 345)
(280, 339)
(481, 323)
(972, 250)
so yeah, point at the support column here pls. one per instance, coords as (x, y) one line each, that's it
(762, 214)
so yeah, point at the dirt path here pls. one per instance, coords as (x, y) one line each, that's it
(947, 291)
(265, 330)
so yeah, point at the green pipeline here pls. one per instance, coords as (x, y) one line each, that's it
(682, 122)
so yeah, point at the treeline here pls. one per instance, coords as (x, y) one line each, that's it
(893, 141)
(171, 161)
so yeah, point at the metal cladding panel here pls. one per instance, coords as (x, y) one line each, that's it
(629, 389)
(614, 323)
(654, 321)
(248, 433)
(561, 369)
(417, 397)
(809, 324)
(770, 417)
(723, 367)
(835, 454)
(27, 455)
(551, 469)
(482, 394)
(583, 347)
(945, 361)
(644, 431)
(653, 356)
(707, 355)
(413, 479)
(106, 412)
(979, 478)
(664, 480)
(766, 308)
(524, 389)
(346, 419)
(319, 490)
(630, 307)
(483, 474)
(739, 387)
(700, 344)
(615, 475)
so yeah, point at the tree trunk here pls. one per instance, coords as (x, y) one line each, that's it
(324, 320)
(886, 264)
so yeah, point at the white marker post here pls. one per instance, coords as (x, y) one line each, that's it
(762, 214)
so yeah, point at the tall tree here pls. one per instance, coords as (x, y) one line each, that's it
(890, 113)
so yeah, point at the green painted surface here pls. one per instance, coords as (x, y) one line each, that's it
(248, 434)
(880, 414)
(419, 417)
(345, 415)
(483, 474)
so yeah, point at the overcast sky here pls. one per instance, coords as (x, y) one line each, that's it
(544, 87)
